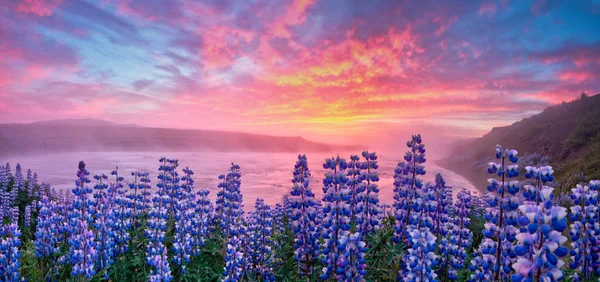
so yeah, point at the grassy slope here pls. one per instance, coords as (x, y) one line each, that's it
(569, 133)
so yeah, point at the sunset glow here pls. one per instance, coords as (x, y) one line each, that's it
(325, 70)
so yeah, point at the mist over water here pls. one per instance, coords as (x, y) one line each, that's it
(264, 175)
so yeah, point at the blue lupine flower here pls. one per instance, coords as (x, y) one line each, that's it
(406, 184)
(234, 260)
(119, 219)
(369, 178)
(83, 252)
(304, 215)
(49, 222)
(356, 191)
(461, 238)
(155, 232)
(440, 216)
(585, 246)
(10, 256)
(541, 239)
(260, 231)
(501, 215)
(202, 219)
(336, 211)
(351, 264)
(161, 271)
(184, 242)
(421, 258)
(229, 200)
(102, 224)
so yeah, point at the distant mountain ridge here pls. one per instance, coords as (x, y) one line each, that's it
(82, 122)
(90, 135)
(569, 133)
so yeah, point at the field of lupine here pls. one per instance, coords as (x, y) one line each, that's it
(163, 228)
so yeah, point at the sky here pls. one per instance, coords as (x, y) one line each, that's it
(335, 71)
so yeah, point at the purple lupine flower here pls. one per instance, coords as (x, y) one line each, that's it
(10, 255)
(82, 204)
(19, 180)
(461, 237)
(440, 216)
(202, 219)
(541, 239)
(83, 252)
(406, 184)
(161, 271)
(234, 259)
(501, 215)
(369, 178)
(155, 232)
(119, 220)
(229, 206)
(355, 191)
(585, 246)
(102, 224)
(421, 259)
(351, 264)
(169, 182)
(116, 187)
(304, 215)
(260, 231)
(49, 222)
(27, 216)
(4, 181)
(336, 212)
(184, 242)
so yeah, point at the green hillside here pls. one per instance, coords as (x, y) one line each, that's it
(568, 133)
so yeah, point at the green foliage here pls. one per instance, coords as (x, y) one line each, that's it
(383, 255)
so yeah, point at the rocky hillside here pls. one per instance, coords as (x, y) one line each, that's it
(568, 133)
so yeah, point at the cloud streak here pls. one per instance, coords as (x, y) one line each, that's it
(322, 69)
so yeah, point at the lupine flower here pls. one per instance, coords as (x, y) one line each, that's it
(443, 197)
(155, 232)
(27, 216)
(501, 215)
(461, 238)
(234, 260)
(483, 262)
(116, 187)
(185, 240)
(83, 251)
(540, 241)
(355, 191)
(369, 178)
(9, 253)
(260, 231)
(161, 271)
(49, 222)
(406, 182)
(102, 223)
(584, 232)
(202, 219)
(336, 211)
(169, 182)
(351, 264)
(421, 259)
(230, 205)
(119, 219)
(304, 216)
(19, 181)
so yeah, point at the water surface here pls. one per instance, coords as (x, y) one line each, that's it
(264, 175)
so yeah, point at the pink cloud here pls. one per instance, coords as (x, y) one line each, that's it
(42, 8)
(487, 8)
(296, 14)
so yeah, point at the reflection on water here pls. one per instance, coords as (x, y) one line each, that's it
(264, 175)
